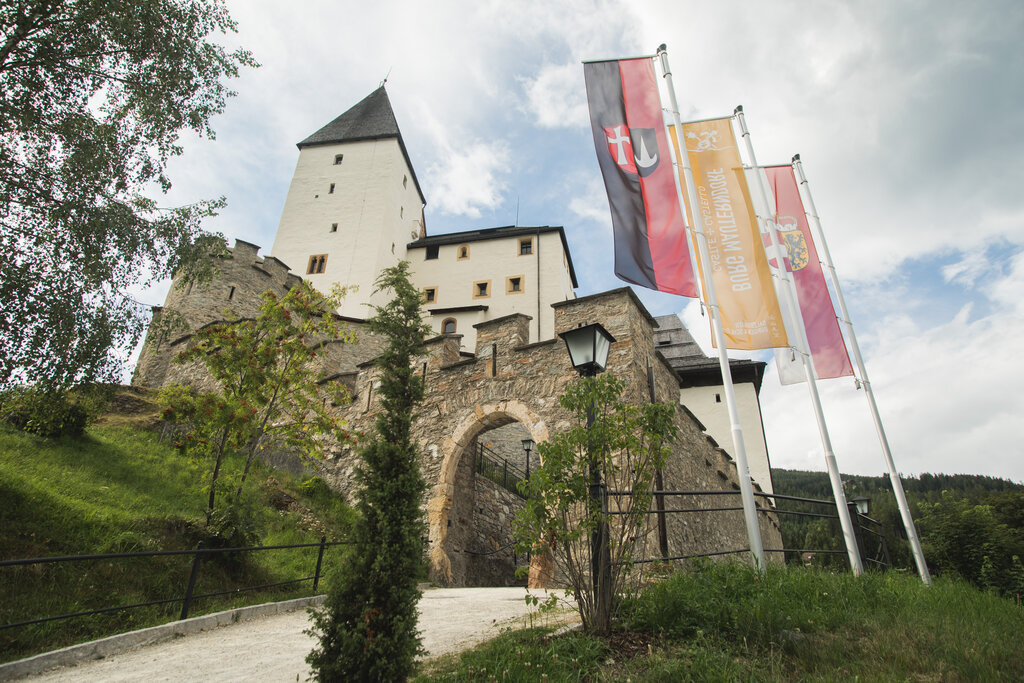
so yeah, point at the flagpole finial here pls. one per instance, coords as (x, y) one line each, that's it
(738, 109)
(796, 158)
(662, 48)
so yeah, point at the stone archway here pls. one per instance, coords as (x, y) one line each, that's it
(441, 497)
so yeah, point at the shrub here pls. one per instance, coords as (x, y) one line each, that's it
(982, 543)
(46, 413)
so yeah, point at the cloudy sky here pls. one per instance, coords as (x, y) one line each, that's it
(905, 114)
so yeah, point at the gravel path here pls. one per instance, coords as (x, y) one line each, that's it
(274, 648)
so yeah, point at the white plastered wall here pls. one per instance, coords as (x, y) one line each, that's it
(708, 404)
(494, 261)
(375, 205)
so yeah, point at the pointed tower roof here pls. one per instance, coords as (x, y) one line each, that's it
(372, 118)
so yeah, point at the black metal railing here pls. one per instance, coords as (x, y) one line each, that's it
(188, 596)
(498, 469)
(871, 540)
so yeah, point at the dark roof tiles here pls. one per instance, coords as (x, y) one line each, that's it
(372, 118)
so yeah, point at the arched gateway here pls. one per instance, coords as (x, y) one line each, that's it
(510, 382)
(476, 409)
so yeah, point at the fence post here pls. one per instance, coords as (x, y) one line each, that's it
(885, 550)
(659, 505)
(319, 561)
(187, 601)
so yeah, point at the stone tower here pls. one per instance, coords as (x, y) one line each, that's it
(353, 205)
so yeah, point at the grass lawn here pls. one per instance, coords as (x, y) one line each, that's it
(120, 490)
(724, 622)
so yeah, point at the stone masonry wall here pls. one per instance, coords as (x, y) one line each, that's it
(510, 381)
(507, 382)
(480, 530)
(242, 277)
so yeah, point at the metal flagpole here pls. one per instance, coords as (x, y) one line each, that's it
(894, 477)
(803, 346)
(711, 299)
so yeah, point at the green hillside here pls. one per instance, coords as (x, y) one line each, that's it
(119, 489)
(970, 526)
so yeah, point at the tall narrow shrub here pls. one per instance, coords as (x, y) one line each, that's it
(367, 630)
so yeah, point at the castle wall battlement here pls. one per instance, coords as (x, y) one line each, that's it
(240, 279)
(507, 381)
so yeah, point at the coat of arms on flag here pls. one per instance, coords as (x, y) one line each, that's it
(630, 140)
(791, 238)
(630, 147)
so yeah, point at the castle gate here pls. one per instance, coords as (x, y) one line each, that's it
(510, 382)
(507, 390)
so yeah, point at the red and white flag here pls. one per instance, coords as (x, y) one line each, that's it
(826, 340)
(651, 248)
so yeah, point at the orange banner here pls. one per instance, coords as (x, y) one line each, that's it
(751, 318)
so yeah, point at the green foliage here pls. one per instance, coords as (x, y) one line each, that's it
(728, 622)
(272, 392)
(93, 97)
(528, 655)
(367, 630)
(49, 413)
(120, 490)
(626, 443)
(234, 525)
(982, 543)
(970, 525)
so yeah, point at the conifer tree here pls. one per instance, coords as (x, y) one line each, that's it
(367, 630)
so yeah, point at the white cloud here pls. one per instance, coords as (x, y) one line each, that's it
(949, 395)
(1009, 291)
(968, 269)
(468, 178)
(593, 205)
(554, 97)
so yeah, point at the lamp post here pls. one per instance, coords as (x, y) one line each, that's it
(588, 347)
(528, 445)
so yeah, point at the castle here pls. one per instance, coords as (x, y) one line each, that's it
(496, 299)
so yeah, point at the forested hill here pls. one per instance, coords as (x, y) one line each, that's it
(927, 487)
(970, 526)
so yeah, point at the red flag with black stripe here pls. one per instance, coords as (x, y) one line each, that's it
(651, 249)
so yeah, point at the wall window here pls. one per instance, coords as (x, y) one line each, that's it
(463, 252)
(448, 326)
(432, 250)
(481, 289)
(334, 227)
(401, 212)
(430, 295)
(338, 158)
(231, 294)
(526, 246)
(405, 181)
(330, 190)
(514, 284)
(317, 263)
